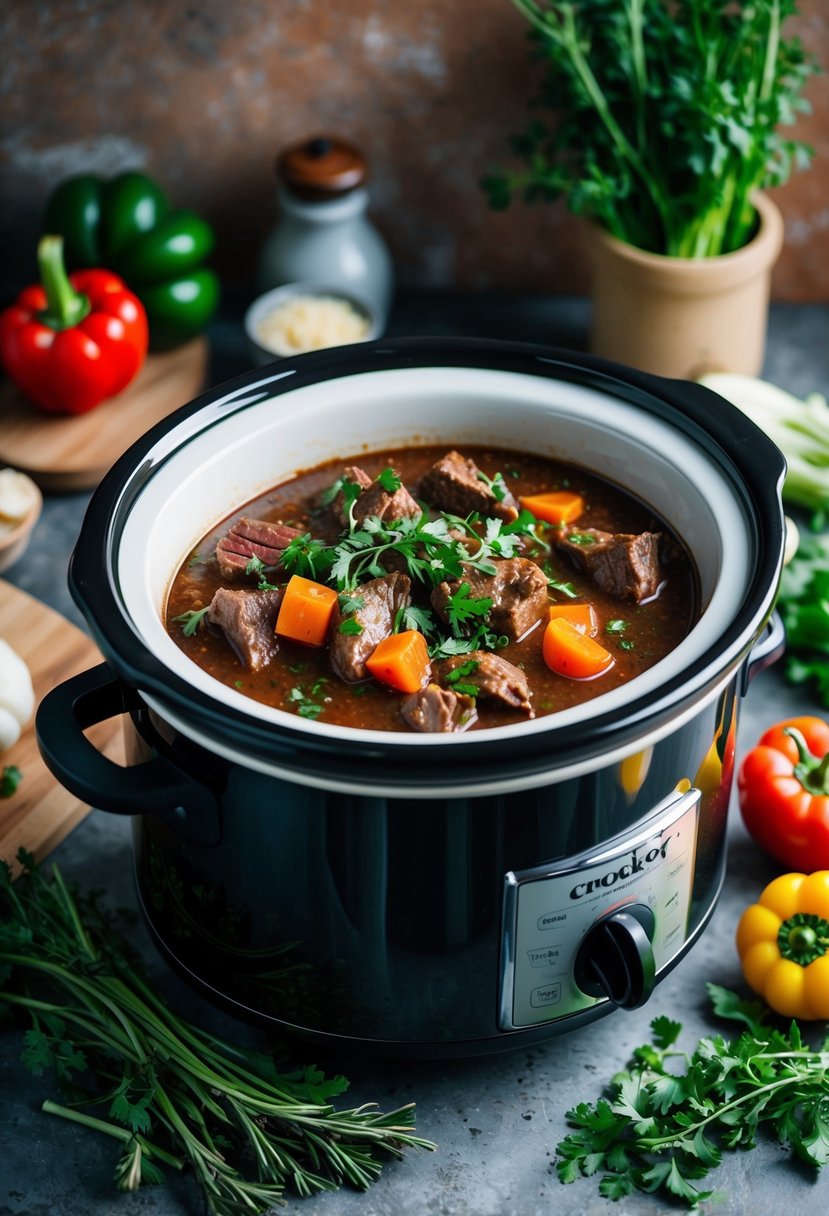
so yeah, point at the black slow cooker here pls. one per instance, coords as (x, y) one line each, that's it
(423, 894)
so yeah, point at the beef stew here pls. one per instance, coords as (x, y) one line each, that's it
(437, 543)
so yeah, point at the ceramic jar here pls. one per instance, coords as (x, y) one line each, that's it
(323, 234)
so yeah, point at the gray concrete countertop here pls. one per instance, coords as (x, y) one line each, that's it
(497, 1120)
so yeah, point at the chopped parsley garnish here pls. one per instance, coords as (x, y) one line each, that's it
(389, 480)
(307, 704)
(196, 559)
(616, 628)
(350, 491)
(420, 619)
(581, 538)
(257, 566)
(351, 603)
(496, 485)
(456, 678)
(351, 627)
(430, 551)
(563, 588)
(481, 639)
(461, 608)
(309, 557)
(190, 621)
(10, 779)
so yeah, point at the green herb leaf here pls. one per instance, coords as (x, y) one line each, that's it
(351, 627)
(457, 678)
(389, 480)
(581, 538)
(306, 703)
(350, 603)
(803, 602)
(420, 619)
(191, 620)
(10, 779)
(462, 607)
(616, 626)
(496, 485)
(727, 1004)
(307, 557)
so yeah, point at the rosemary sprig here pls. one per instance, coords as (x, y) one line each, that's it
(171, 1093)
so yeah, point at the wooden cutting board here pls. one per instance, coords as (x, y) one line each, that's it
(41, 813)
(68, 453)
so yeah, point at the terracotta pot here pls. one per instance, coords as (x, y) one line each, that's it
(684, 316)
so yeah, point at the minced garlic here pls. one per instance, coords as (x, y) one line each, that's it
(311, 323)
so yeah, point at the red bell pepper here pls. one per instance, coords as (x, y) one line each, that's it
(72, 341)
(784, 793)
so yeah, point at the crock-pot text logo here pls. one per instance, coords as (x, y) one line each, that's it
(639, 860)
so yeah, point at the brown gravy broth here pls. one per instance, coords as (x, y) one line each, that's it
(651, 631)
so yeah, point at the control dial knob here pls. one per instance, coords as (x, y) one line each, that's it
(616, 960)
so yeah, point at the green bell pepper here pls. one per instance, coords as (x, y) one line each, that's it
(126, 224)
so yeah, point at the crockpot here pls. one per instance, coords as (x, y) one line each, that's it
(423, 894)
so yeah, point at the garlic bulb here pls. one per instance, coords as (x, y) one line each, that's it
(17, 698)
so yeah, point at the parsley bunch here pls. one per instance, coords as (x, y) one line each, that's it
(804, 605)
(668, 117)
(171, 1093)
(662, 1128)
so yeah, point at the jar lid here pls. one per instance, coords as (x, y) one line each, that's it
(321, 167)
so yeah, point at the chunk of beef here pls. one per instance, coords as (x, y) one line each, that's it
(360, 478)
(375, 500)
(455, 484)
(380, 601)
(253, 538)
(518, 590)
(247, 619)
(434, 709)
(622, 564)
(494, 677)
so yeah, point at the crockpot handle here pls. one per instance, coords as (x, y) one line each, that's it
(766, 650)
(72, 707)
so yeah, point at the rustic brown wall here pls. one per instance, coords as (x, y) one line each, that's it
(202, 96)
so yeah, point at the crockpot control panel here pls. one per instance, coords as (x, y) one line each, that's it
(601, 926)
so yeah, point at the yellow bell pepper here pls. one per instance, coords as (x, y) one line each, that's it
(783, 944)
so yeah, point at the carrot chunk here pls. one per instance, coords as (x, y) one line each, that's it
(305, 612)
(582, 616)
(570, 653)
(401, 661)
(556, 507)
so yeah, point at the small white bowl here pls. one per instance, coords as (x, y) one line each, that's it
(274, 299)
(15, 536)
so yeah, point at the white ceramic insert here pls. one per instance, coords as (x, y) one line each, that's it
(240, 456)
